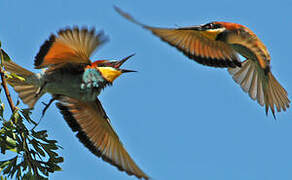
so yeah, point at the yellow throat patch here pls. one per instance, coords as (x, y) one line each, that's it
(212, 33)
(109, 73)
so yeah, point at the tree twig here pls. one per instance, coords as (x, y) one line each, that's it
(4, 84)
(13, 108)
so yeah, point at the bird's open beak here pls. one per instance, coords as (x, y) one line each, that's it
(121, 62)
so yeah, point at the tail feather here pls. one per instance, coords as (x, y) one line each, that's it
(26, 88)
(280, 90)
(260, 86)
(27, 94)
(253, 86)
(12, 67)
(246, 82)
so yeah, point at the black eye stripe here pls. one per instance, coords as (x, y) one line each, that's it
(217, 26)
(211, 26)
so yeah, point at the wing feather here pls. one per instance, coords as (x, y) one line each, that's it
(202, 48)
(96, 133)
(71, 45)
(261, 86)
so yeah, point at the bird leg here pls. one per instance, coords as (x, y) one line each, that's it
(40, 89)
(48, 105)
(46, 108)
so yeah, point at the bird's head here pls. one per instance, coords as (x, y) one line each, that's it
(110, 69)
(213, 29)
(219, 26)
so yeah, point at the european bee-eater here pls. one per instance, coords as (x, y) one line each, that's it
(218, 44)
(72, 79)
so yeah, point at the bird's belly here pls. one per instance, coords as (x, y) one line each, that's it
(69, 85)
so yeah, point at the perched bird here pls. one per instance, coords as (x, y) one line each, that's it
(218, 44)
(72, 79)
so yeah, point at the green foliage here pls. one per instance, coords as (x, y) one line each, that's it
(4, 55)
(33, 154)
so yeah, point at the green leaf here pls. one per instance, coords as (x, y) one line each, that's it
(50, 141)
(10, 144)
(38, 149)
(56, 168)
(39, 134)
(17, 102)
(59, 160)
(15, 117)
(51, 153)
(44, 170)
(10, 141)
(33, 147)
(29, 176)
(24, 165)
(26, 114)
(5, 56)
(17, 77)
(3, 164)
(2, 106)
(8, 125)
(8, 168)
(18, 172)
(14, 168)
(3, 178)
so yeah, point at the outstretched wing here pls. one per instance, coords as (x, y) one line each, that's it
(69, 46)
(200, 46)
(94, 130)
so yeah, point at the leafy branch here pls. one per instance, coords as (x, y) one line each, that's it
(34, 155)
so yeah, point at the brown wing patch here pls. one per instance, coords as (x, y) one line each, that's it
(94, 131)
(70, 46)
(198, 47)
(245, 42)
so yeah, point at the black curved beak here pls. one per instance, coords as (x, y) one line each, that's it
(127, 71)
(196, 28)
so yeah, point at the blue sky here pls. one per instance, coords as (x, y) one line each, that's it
(176, 118)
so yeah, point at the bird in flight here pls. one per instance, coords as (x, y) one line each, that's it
(217, 44)
(72, 79)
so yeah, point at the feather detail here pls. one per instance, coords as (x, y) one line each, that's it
(69, 46)
(26, 88)
(261, 86)
(95, 132)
